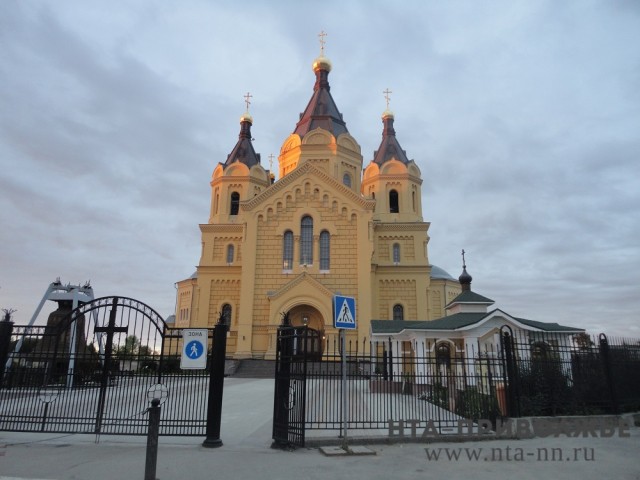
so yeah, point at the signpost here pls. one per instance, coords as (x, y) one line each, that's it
(344, 318)
(194, 349)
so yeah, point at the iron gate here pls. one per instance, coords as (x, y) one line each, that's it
(96, 370)
(290, 387)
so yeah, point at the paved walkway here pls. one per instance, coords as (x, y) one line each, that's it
(246, 434)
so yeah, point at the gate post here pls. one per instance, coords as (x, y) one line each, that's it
(284, 350)
(509, 372)
(151, 461)
(6, 329)
(216, 385)
(608, 372)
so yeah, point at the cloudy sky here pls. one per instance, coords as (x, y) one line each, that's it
(524, 118)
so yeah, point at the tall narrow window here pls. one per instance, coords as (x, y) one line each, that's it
(230, 251)
(396, 253)
(235, 203)
(346, 179)
(287, 250)
(226, 314)
(306, 241)
(325, 249)
(393, 202)
(398, 312)
(413, 200)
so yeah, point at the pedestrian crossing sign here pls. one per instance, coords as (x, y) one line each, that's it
(344, 312)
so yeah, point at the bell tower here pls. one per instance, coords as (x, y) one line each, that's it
(392, 179)
(239, 178)
(400, 263)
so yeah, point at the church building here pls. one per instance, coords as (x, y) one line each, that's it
(329, 225)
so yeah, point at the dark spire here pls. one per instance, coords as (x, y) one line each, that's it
(321, 112)
(465, 278)
(389, 147)
(243, 152)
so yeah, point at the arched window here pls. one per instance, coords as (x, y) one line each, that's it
(235, 203)
(226, 314)
(230, 252)
(540, 351)
(413, 200)
(287, 250)
(398, 312)
(346, 179)
(396, 253)
(325, 250)
(306, 241)
(443, 355)
(394, 206)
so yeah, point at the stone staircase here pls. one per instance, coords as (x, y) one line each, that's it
(255, 369)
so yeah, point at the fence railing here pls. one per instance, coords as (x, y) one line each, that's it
(51, 384)
(451, 380)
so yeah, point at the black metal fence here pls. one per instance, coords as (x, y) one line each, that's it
(574, 375)
(96, 371)
(438, 383)
(413, 381)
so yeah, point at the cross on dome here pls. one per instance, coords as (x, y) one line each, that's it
(387, 95)
(322, 34)
(247, 100)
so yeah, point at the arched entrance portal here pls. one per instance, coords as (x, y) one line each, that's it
(308, 316)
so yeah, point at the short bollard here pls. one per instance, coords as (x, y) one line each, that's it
(152, 440)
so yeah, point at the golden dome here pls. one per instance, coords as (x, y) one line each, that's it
(246, 118)
(387, 114)
(322, 63)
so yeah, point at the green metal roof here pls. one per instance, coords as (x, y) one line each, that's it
(454, 322)
(451, 322)
(548, 327)
(467, 296)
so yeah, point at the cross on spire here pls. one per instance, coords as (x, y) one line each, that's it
(271, 161)
(322, 34)
(387, 96)
(463, 261)
(247, 100)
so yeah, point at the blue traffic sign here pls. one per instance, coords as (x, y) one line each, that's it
(194, 349)
(344, 312)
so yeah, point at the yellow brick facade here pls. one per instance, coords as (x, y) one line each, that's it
(372, 218)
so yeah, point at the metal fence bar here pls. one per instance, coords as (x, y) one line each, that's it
(36, 393)
(446, 383)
